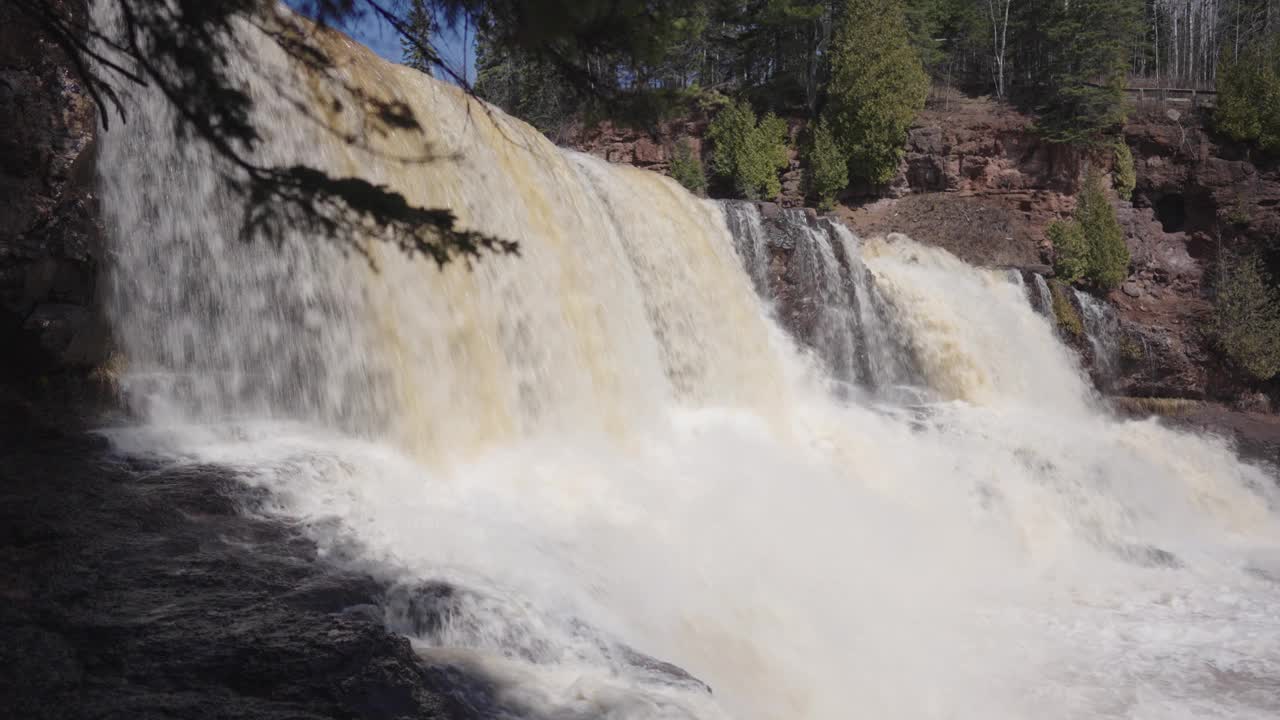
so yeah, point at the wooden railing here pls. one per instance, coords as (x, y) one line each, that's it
(1190, 97)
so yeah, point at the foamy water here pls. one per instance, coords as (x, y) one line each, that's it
(609, 443)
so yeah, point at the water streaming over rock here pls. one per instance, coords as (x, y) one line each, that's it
(1102, 328)
(606, 450)
(1043, 298)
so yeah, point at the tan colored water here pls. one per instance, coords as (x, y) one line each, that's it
(609, 440)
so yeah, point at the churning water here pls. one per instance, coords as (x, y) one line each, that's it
(609, 445)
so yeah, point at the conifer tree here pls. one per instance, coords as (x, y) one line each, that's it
(878, 85)
(1108, 256)
(1070, 250)
(828, 171)
(415, 41)
(1247, 316)
(686, 168)
(747, 153)
(1249, 97)
(1090, 44)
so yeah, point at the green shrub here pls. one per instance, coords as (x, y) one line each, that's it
(1126, 178)
(1246, 316)
(747, 153)
(828, 171)
(686, 168)
(1108, 264)
(1070, 251)
(877, 87)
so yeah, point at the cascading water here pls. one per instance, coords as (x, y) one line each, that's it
(1015, 276)
(1102, 328)
(846, 322)
(606, 445)
(1043, 299)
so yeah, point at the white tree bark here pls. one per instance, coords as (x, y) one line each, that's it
(999, 38)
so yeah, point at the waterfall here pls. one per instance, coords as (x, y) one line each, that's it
(825, 293)
(609, 446)
(1102, 328)
(1044, 297)
(1015, 277)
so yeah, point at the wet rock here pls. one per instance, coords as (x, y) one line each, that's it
(423, 610)
(1159, 360)
(70, 335)
(769, 210)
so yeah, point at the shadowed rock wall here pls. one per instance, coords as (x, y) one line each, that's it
(50, 246)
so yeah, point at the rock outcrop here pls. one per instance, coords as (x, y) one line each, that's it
(977, 180)
(1195, 195)
(49, 231)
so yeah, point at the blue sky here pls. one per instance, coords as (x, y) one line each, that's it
(456, 45)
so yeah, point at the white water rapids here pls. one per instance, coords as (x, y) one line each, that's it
(609, 443)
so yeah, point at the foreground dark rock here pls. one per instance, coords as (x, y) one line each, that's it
(50, 235)
(135, 590)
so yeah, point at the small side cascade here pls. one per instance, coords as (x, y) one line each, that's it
(1102, 328)
(1042, 300)
(888, 362)
(813, 292)
(751, 241)
(823, 292)
(1015, 277)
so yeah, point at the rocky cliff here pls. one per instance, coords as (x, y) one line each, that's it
(1196, 194)
(49, 234)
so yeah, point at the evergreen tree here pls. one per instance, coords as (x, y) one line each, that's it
(747, 153)
(877, 87)
(1091, 246)
(686, 168)
(1247, 316)
(524, 85)
(1089, 45)
(1126, 176)
(729, 132)
(828, 171)
(1108, 256)
(1249, 97)
(415, 41)
(1070, 250)
(766, 155)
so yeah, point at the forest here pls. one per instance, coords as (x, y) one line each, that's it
(865, 66)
